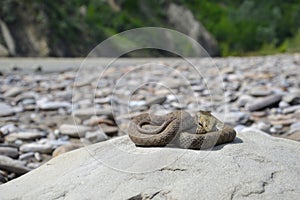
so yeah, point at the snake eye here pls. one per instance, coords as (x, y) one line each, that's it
(199, 123)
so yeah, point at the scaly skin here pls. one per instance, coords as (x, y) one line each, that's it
(175, 125)
(202, 132)
(155, 131)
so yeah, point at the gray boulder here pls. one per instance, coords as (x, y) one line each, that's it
(254, 166)
(8, 38)
(31, 40)
(184, 21)
(3, 51)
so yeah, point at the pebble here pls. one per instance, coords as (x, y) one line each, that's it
(136, 103)
(65, 148)
(243, 100)
(291, 109)
(33, 165)
(3, 177)
(84, 82)
(274, 130)
(295, 125)
(25, 96)
(38, 156)
(155, 100)
(54, 105)
(198, 88)
(263, 126)
(58, 142)
(94, 120)
(174, 83)
(97, 136)
(35, 147)
(239, 128)
(88, 112)
(6, 110)
(9, 151)
(104, 100)
(24, 135)
(74, 130)
(178, 105)
(109, 130)
(289, 98)
(8, 128)
(11, 165)
(283, 104)
(12, 92)
(294, 136)
(263, 103)
(283, 121)
(259, 114)
(26, 156)
(234, 118)
(260, 91)
(18, 109)
(28, 101)
(230, 97)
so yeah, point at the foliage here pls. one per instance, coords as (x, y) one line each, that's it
(248, 25)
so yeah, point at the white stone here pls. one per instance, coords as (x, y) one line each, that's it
(36, 147)
(54, 105)
(283, 104)
(255, 166)
(24, 135)
(73, 130)
(291, 109)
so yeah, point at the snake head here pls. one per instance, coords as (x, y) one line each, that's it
(205, 121)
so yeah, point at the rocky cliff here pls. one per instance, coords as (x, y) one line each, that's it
(37, 28)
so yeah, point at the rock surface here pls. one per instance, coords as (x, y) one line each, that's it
(3, 51)
(184, 21)
(255, 166)
(7, 36)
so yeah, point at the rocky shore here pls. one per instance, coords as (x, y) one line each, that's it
(46, 111)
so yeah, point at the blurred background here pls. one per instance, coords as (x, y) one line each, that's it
(73, 28)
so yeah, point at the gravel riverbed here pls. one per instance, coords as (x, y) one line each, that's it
(51, 106)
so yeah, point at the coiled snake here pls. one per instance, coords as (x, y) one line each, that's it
(179, 127)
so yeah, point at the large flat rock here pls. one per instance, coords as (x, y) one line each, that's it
(255, 166)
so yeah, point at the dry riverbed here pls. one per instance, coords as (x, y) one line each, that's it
(49, 106)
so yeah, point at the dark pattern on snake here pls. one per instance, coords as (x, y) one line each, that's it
(202, 132)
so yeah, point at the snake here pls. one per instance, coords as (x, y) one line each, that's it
(200, 132)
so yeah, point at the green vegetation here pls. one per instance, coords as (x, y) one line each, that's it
(252, 26)
(242, 27)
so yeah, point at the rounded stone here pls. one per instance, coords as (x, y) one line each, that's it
(35, 147)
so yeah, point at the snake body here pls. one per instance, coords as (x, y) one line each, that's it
(201, 132)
